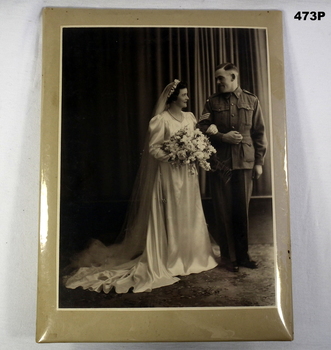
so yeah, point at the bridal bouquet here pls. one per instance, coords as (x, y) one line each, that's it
(188, 148)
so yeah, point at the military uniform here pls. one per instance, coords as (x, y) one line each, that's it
(237, 111)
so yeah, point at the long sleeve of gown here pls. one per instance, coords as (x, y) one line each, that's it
(157, 131)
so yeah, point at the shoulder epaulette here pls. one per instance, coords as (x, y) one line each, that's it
(249, 93)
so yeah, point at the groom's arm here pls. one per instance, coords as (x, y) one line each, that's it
(206, 122)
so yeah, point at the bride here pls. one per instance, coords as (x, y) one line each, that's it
(165, 233)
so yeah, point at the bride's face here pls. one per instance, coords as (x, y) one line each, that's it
(182, 98)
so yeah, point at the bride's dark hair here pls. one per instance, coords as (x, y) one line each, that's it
(173, 97)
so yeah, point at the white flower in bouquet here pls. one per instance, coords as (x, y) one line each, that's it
(185, 148)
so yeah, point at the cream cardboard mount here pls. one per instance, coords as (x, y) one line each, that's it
(161, 324)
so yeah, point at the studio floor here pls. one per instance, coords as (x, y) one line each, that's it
(214, 288)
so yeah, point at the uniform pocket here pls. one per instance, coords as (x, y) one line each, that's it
(248, 151)
(246, 113)
(221, 116)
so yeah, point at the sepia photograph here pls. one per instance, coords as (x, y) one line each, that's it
(164, 195)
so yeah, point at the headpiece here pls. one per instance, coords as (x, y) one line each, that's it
(173, 88)
(162, 104)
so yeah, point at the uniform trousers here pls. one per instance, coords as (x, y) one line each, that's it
(231, 204)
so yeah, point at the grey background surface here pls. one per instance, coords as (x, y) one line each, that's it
(308, 72)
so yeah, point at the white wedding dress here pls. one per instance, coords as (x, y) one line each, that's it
(177, 240)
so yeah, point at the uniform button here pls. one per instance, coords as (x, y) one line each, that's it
(232, 127)
(232, 115)
(231, 104)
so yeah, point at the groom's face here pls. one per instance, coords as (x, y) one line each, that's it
(225, 81)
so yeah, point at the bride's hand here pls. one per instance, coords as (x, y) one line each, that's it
(212, 130)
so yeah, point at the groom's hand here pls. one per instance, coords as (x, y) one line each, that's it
(233, 137)
(212, 130)
(257, 171)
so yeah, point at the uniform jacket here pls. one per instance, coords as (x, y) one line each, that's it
(239, 111)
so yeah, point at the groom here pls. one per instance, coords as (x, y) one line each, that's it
(233, 119)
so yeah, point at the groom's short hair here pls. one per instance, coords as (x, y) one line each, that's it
(227, 66)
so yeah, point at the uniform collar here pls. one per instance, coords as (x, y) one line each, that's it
(236, 92)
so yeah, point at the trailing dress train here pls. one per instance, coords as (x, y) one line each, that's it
(176, 239)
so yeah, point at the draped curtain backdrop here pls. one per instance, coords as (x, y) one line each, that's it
(111, 80)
